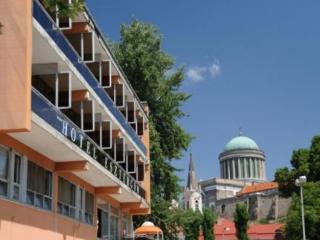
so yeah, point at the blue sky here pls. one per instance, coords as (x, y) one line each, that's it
(250, 64)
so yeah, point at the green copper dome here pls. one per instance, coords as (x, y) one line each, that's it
(241, 142)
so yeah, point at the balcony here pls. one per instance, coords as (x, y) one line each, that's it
(49, 26)
(63, 141)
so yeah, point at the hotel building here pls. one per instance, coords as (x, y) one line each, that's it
(74, 137)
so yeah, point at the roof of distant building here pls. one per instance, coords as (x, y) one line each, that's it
(241, 142)
(225, 229)
(258, 187)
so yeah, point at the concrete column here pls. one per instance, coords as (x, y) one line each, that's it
(259, 170)
(251, 167)
(239, 168)
(228, 168)
(255, 168)
(245, 167)
(221, 169)
(233, 167)
(262, 169)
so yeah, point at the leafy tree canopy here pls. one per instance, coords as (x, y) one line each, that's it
(312, 213)
(64, 8)
(241, 218)
(304, 162)
(146, 65)
(209, 220)
(191, 222)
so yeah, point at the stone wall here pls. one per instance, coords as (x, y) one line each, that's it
(260, 206)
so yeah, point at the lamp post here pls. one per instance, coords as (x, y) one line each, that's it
(299, 183)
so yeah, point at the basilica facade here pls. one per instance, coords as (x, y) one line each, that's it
(242, 180)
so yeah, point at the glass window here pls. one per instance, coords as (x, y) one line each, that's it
(67, 198)
(89, 202)
(39, 186)
(16, 177)
(114, 227)
(103, 224)
(4, 161)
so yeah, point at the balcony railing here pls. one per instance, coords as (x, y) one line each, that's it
(46, 22)
(54, 117)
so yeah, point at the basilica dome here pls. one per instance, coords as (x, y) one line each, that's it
(241, 142)
(242, 159)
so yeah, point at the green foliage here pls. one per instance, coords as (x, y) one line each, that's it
(241, 218)
(209, 220)
(64, 8)
(304, 162)
(312, 214)
(263, 221)
(191, 223)
(146, 66)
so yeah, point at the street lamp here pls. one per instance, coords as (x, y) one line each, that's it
(299, 183)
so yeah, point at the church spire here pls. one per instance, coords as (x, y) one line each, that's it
(192, 179)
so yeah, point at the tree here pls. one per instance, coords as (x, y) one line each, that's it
(207, 224)
(64, 8)
(241, 218)
(293, 227)
(146, 66)
(191, 224)
(304, 162)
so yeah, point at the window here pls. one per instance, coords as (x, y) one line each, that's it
(67, 198)
(89, 208)
(4, 162)
(114, 227)
(114, 223)
(16, 177)
(197, 205)
(103, 224)
(39, 186)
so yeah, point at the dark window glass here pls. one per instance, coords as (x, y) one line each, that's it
(39, 186)
(4, 156)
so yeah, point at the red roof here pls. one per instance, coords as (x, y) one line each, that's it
(225, 229)
(258, 187)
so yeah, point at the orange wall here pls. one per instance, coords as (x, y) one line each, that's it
(15, 65)
(146, 140)
(18, 221)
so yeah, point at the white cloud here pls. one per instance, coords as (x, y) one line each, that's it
(199, 73)
(215, 69)
(196, 74)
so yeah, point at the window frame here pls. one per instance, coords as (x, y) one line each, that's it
(35, 193)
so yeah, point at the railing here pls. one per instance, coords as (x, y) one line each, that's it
(46, 22)
(54, 117)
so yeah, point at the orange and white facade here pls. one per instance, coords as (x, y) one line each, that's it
(74, 137)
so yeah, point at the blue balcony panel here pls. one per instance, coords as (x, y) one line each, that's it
(40, 14)
(56, 119)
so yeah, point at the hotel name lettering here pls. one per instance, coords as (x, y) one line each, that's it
(90, 148)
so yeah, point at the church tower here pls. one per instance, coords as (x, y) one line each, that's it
(192, 192)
